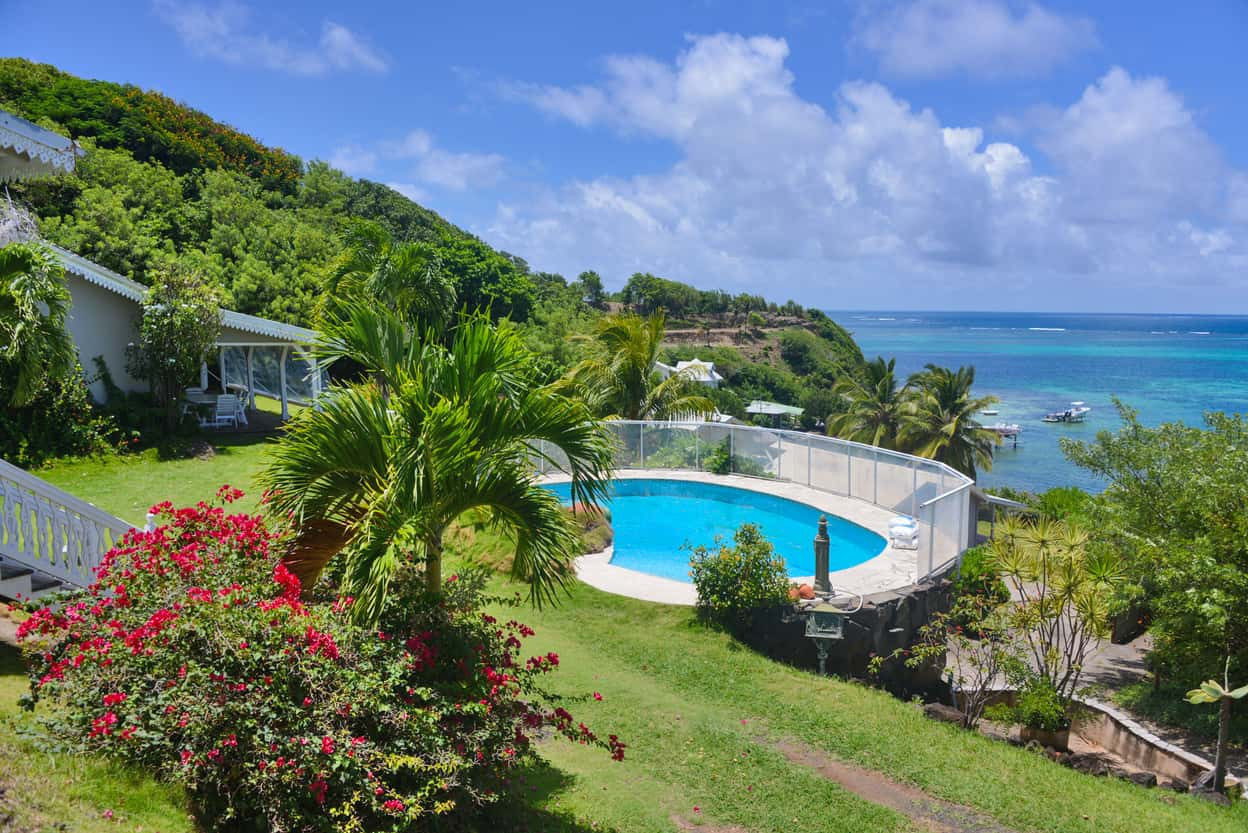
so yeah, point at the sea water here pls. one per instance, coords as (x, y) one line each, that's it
(1167, 367)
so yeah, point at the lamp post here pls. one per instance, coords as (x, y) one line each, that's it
(822, 543)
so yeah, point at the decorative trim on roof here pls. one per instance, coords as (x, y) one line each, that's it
(136, 292)
(28, 150)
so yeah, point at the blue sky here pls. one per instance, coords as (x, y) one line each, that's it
(919, 154)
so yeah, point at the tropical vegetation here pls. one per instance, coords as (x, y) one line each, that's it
(934, 415)
(1173, 510)
(381, 473)
(709, 725)
(621, 381)
(178, 326)
(197, 656)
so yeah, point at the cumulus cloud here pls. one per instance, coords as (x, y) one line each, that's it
(224, 32)
(841, 205)
(982, 38)
(422, 159)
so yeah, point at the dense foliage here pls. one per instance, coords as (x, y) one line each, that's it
(195, 657)
(383, 467)
(934, 415)
(162, 183)
(734, 582)
(45, 410)
(1176, 509)
(60, 421)
(178, 326)
(620, 379)
(34, 307)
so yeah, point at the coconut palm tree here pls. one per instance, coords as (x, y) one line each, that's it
(404, 276)
(621, 380)
(939, 420)
(34, 305)
(381, 478)
(875, 403)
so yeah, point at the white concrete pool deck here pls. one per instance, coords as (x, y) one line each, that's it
(888, 570)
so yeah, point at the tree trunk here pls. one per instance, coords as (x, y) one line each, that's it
(433, 565)
(1219, 759)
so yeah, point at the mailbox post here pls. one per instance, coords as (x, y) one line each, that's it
(824, 623)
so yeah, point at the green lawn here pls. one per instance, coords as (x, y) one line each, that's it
(127, 485)
(702, 717)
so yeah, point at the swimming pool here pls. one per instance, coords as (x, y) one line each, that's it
(653, 519)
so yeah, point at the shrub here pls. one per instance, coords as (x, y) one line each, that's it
(195, 657)
(1037, 706)
(61, 421)
(978, 576)
(733, 582)
(1063, 503)
(720, 460)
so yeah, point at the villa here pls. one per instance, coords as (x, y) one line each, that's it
(696, 370)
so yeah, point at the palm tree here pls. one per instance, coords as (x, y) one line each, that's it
(34, 305)
(939, 421)
(381, 479)
(404, 276)
(622, 382)
(875, 403)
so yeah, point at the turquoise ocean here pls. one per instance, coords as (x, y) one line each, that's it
(1167, 367)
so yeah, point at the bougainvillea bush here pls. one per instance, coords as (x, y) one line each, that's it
(194, 656)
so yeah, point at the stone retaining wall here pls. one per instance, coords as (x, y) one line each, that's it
(887, 621)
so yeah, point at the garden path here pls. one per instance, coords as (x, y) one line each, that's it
(928, 813)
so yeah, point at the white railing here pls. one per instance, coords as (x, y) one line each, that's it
(50, 530)
(932, 493)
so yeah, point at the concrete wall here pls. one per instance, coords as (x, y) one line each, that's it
(102, 323)
(885, 622)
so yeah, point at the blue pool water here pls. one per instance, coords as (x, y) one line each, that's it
(656, 522)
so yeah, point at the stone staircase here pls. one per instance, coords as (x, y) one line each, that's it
(49, 539)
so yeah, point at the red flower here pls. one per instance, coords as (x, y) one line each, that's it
(327, 745)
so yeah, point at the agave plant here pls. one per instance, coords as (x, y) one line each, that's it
(381, 476)
(1212, 691)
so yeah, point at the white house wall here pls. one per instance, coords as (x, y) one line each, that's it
(102, 323)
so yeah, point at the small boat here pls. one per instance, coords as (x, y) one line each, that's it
(990, 412)
(1077, 412)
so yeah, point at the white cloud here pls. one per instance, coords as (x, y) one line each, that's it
(983, 38)
(842, 206)
(419, 157)
(409, 190)
(224, 32)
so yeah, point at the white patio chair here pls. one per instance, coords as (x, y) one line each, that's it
(226, 411)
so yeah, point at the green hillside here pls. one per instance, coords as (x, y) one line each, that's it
(161, 181)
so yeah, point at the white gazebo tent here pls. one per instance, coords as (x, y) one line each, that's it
(28, 151)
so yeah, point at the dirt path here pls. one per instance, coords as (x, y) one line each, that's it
(932, 814)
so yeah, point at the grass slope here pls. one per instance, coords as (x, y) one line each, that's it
(47, 790)
(703, 714)
(702, 717)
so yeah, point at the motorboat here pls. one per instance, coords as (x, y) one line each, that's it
(1077, 412)
(990, 412)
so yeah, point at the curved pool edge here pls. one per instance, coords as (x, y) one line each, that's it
(887, 570)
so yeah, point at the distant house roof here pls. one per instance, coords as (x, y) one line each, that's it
(758, 406)
(699, 371)
(135, 291)
(28, 150)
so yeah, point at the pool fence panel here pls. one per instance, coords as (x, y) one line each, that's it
(936, 496)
